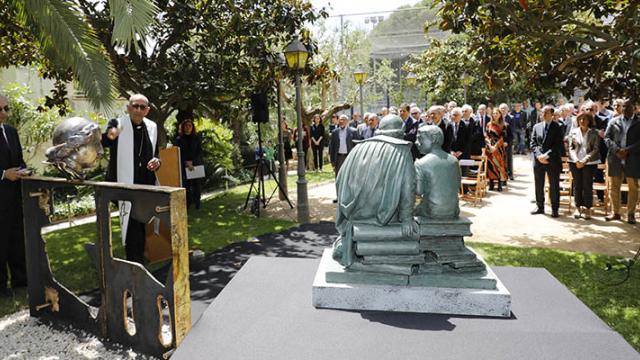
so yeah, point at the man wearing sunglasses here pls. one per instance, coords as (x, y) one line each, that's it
(11, 223)
(132, 140)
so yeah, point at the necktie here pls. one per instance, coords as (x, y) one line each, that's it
(455, 131)
(546, 128)
(3, 139)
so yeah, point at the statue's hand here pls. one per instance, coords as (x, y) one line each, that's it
(410, 228)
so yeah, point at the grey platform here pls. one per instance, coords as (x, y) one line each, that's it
(265, 312)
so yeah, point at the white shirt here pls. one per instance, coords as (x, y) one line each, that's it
(342, 133)
(579, 139)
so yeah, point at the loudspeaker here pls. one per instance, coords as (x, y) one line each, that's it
(260, 107)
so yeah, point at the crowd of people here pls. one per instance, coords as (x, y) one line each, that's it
(582, 136)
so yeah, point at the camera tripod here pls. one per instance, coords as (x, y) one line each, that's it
(260, 199)
(624, 268)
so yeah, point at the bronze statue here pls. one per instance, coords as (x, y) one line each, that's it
(76, 147)
(376, 186)
(437, 176)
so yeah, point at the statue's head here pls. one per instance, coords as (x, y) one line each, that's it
(429, 137)
(391, 125)
(77, 147)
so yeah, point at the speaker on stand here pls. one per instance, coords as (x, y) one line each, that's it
(260, 115)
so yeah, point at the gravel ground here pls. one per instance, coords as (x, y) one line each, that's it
(24, 337)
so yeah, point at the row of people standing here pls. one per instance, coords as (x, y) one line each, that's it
(313, 137)
(592, 137)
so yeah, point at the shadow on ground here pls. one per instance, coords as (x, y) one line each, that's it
(211, 274)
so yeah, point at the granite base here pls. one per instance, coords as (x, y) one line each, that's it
(421, 299)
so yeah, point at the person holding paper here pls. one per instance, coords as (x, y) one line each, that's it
(190, 145)
(132, 140)
(547, 146)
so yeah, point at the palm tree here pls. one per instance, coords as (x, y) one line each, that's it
(67, 40)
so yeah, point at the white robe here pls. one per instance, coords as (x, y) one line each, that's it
(125, 168)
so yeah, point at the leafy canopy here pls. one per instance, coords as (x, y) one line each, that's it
(586, 44)
(56, 33)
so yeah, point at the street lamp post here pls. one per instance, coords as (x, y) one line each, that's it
(360, 76)
(296, 54)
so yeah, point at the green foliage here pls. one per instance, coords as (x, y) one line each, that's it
(71, 43)
(130, 19)
(220, 152)
(56, 34)
(74, 207)
(447, 66)
(342, 51)
(574, 44)
(205, 55)
(35, 123)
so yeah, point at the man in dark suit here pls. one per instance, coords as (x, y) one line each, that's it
(459, 132)
(341, 143)
(411, 125)
(476, 131)
(435, 115)
(547, 147)
(12, 168)
(519, 118)
(483, 119)
(623, 160)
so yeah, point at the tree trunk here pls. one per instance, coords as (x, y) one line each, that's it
(323, 94)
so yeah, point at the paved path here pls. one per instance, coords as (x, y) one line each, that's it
(504, 218)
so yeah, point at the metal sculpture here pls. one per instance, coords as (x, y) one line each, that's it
(136, 309)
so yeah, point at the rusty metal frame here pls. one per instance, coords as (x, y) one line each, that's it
(51, 301)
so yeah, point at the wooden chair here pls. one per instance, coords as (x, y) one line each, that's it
(476, 181)
(566, 186)
(602, 186)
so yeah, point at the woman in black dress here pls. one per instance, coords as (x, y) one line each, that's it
(317, 141)
(190, 155)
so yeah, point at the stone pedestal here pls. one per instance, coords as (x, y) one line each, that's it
(427, 293)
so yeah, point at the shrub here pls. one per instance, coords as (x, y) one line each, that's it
(35, 123)
(220, 152)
